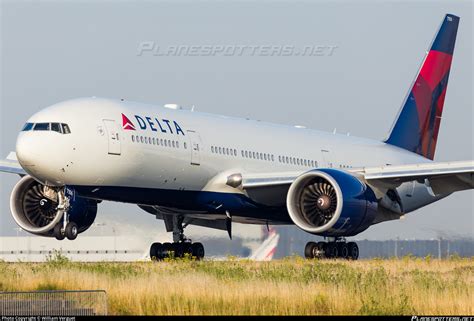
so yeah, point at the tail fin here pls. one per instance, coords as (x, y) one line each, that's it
(417, 126)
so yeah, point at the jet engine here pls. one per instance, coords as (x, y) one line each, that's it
(330, 202)
(38, 209)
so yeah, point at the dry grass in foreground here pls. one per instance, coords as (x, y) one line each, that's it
(291, 286)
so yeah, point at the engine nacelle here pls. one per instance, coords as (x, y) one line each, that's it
(330, 202)
(34, 207)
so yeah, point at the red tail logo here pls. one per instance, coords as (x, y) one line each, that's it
(127, 123)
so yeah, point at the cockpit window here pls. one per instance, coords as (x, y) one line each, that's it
(27, 127)
(55, 127)
(66, 129)
(42, 126)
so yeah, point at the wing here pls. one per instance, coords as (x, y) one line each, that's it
(11, 165)
(441, 177)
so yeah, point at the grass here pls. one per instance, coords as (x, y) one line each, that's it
(292, 286)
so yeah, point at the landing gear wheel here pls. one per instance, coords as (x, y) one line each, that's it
(156, 251)
(71, 231)
(184, 249)
(331, 251)
(343, 250)
(167, 249)
(321, 248)
(178, 250)
(58, 234)
(198, 250)
(353, 250)
(309, 250)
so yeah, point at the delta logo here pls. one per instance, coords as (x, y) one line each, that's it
(165, 126)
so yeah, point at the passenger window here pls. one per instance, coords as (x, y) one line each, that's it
(185, 146)
(212, 149)
(173, 144)
(177, 144)
(133, 138)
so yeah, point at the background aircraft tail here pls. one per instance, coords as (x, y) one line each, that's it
(268, 248)
(417, 126)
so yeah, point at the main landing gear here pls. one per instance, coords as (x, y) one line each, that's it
(181, 246)
(335, 249)
(160, 251)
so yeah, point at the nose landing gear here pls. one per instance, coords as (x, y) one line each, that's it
(66, 228)
(70, 232)
(336, 249)
(181, 246)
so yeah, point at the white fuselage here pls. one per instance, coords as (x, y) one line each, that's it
(103, 151)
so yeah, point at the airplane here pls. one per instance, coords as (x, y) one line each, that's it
(186, 167)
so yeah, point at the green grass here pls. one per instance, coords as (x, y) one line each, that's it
(291, 286)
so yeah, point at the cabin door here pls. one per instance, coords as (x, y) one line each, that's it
(113, 137)
(195, 142)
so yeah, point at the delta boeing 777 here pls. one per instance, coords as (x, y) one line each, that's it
(186, 167)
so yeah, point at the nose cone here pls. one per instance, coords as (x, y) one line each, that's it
(25, 151)
(39, 157)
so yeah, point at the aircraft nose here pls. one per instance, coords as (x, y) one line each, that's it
(37, 157)
(26, 150)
